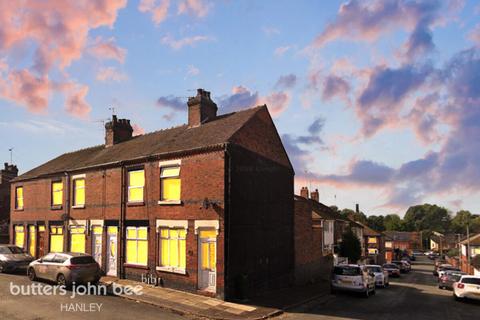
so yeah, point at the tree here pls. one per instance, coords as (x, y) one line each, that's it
(393, 222)
(350, 247)
(377, 223)
(427, 217)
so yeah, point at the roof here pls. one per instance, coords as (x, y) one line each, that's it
(474, 240)
(400, 235)
(179, 139)
(320, 211)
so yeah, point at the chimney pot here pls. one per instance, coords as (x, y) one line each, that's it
(357, 208)
(201, 108)
(304, 192)
(314, 195)
(117, 130)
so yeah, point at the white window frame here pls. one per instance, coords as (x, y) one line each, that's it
(169, 164)
(16, 198)
(137, 239)
(136, 187)
(171, 224)
(74, 202)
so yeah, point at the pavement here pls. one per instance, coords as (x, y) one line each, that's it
(266, 306)
(413, 296)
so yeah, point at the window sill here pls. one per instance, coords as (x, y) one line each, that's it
(58, 207)
(171, 270)
(138, 266)
(135, 204)
(79, 207)
(18, 209)
(173, 202)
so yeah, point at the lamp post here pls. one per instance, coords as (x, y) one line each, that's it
(468, 247)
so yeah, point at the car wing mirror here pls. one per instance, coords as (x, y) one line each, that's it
(40, 260)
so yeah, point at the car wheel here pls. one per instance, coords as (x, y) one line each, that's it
(367, 293)
(457, 298)
(31, 274)
(61, 280)
(386, 284)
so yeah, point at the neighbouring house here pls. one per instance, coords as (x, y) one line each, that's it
(388, 248)
(314, 238)
(374, 242)
(9, 172)
(404, 240)
(467, 254)
(443, 242)
(205, 207)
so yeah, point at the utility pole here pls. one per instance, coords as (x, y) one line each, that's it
(468, 247)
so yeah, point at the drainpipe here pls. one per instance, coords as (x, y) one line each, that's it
(121, 225)
(67, 212)
(227, 224)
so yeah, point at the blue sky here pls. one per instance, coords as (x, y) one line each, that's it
(377, 102)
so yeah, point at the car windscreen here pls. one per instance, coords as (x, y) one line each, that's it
(471, 280)
(391, 266)
(11, 249)
(347, 271)
(82, 260)
(374, 269)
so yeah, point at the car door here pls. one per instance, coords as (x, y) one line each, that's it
(55, 267)
(42, 267)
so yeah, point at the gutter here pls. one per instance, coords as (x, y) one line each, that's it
(67, 212)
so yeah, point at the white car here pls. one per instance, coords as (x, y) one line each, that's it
(443, 270)
(381, 276)
(354, 278)
(467, 287)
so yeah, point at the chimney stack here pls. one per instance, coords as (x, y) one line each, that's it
(117, 130)
(304, 192)
(9, 172)
(201, 108)
(315, 196)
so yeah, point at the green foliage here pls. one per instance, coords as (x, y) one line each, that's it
(393, 222)
(377, 223)
(427, 217)
(350, 247)
(453, 252)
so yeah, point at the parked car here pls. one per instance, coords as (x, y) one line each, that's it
(352, 278)
(440, 267)
(65, 268)
(13, 258)
(441, 271)
(448, 278)
(433, 255)
(392, 269)
(417, 253)
(468, 287)
(381, 276)
(402, 265)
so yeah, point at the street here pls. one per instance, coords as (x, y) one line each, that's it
(26, 307)
(414, 296)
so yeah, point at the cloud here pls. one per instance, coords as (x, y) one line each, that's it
(193, 71)
(474, 35)
(107, 49)
(335, 86)
(157, 8)
(269, 31)
(172, 102)
(286, 82)
(280, 51)
(137, 130)
(57, 33)
(363, 172)
(187, 41)
(198, 8)
(110, 74)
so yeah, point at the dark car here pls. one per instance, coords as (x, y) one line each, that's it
(402, 265)
(13, 258)
(448, 278)
(392, 269)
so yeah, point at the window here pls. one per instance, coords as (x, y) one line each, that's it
(79, 192)
(170, 184)
(19, 236)
(56, 239)
(209, 259)
(19, 198)
(137, 245)
(57, 193)
(388, 244)
(32, 240)
(77, 239)
(136, 182)
(173, 249)
(372, 240)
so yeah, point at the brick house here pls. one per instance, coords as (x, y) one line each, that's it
(9, 172)
(404, 241)
(314, 238)
(467, 254)
(374, 243)
(204, 207)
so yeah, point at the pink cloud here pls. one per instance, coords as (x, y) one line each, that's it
(76, 104)
(280, 51)
(107, 49)
(474, 35)
(58, 33)
(187, 41)
(197, 8)
(158, 9)
(110, 74)
(138, 130)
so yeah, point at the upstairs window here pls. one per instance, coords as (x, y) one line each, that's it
(170, 184)
(19, 198)
(79, 192)
(372, 240)
(136, 183)
(57, 193)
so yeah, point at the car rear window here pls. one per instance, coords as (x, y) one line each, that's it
(390, 266)
(471, 280)
(374, 269)
(82, 260)
(347, 271)
(10, 250)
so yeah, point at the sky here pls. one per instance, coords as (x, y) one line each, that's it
(376, 102)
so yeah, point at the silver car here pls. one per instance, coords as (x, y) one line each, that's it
(65, 268)
(381, 276)
(13, 258)
(354, 278)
